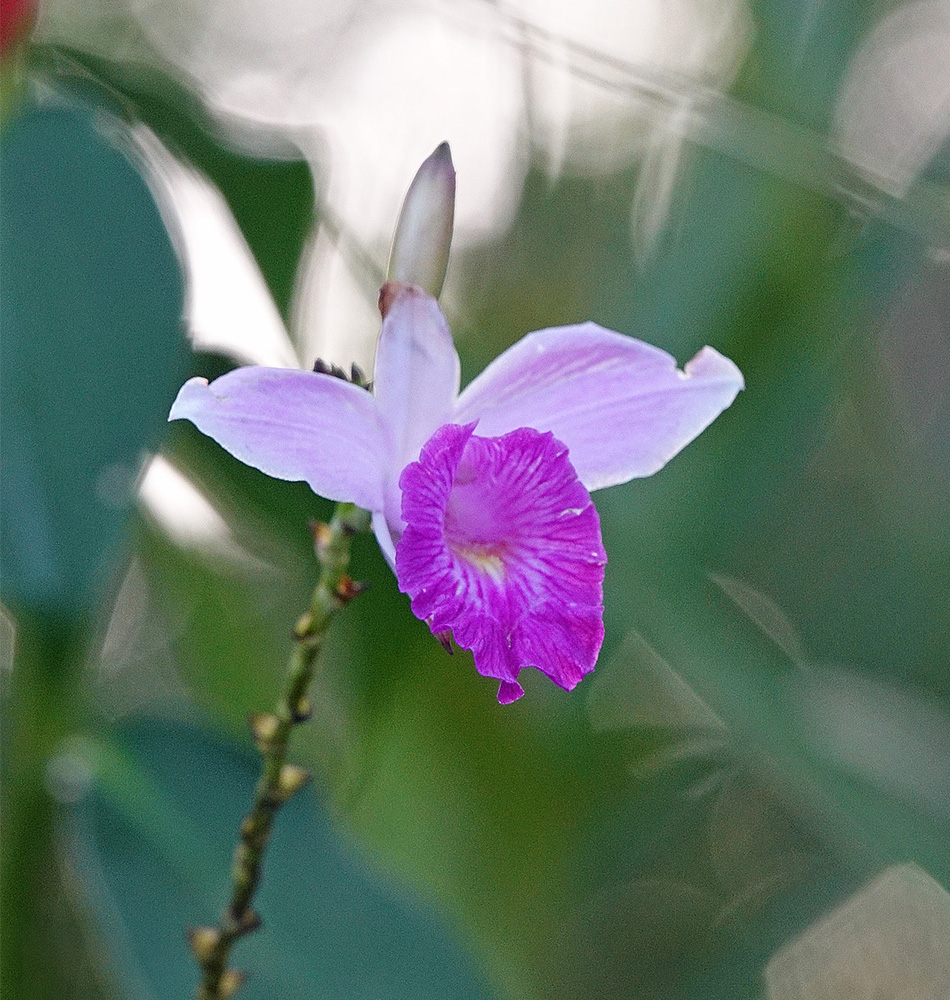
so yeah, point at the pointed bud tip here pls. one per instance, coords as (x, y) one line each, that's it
(442, 154)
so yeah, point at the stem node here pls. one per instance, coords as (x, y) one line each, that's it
(291, 780)
(231, 982)
(264, 728)
(204, 941)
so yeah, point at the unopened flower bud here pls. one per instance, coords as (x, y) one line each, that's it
(420, 251)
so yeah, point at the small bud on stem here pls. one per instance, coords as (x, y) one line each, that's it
(203, 941)
(291, 780)
(302, 710)
(231, 982)
(248, 922)
(322, 537)
(349, 588)
(264, 727)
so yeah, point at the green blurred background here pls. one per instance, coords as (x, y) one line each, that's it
(768, 729)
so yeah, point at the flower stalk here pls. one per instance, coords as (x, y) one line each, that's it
(279, 780)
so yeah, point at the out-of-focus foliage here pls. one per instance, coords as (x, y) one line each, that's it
(148, 870)
(90, 329)
(91, 348)
(767, 730)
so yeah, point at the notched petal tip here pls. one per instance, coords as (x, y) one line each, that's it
(193, 391)
(621, 406)
(710, 364)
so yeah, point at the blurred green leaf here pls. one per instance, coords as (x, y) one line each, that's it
(47, 948)
(151, 840)
(272, 200)
(92, 350)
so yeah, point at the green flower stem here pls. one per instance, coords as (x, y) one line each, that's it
(279, 780)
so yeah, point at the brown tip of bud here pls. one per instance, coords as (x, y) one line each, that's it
(231, 982)
(387, 295)
(248, 922)
(349, 588)
(264, 728)
(302, 710)
(204, 941)
(291, 780)
(322, 536)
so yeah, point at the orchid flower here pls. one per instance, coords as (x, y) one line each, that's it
(480, 499)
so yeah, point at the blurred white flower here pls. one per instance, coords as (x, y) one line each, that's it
(893, 111)
(228, 307)
(364, 90)
(888, 940)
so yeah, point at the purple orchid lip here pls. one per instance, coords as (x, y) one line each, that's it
(502, 546)
(620, 407)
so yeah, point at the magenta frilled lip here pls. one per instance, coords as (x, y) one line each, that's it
(502, 546)
(469, 491)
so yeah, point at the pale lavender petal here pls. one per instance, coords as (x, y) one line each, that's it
(295, 425)
(417, 369)
(384, 537)
(502, 546)
(620, 405)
